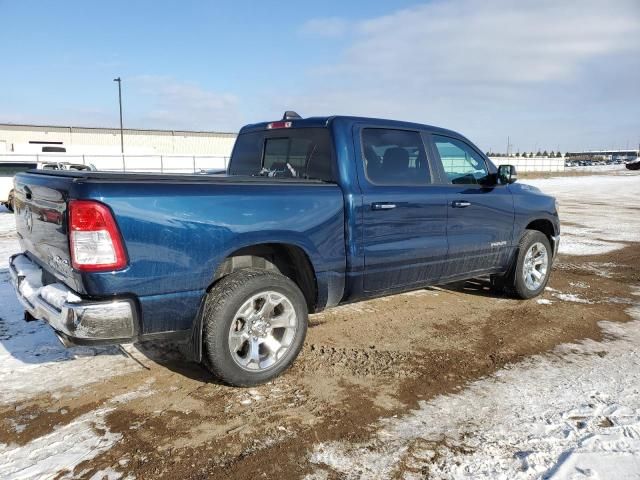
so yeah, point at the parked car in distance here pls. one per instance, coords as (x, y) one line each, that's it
(212, 171)
(9, 169)
(312, 213)
(7, 172)
(633, 165)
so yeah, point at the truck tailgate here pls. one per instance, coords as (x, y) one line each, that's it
(41, 224)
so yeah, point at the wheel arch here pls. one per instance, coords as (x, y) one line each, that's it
(544, 226)
(288, 259)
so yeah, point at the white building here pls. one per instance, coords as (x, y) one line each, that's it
(144, 150)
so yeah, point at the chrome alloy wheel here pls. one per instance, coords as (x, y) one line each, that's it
(536, 264)
(262, 331)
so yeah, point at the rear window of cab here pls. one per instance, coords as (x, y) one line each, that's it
(290, 153)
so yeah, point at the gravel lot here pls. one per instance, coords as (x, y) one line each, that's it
(445, 382)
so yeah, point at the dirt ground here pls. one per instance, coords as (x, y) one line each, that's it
(360, 362)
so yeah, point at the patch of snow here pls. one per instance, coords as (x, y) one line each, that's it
(586, 207)
(544, 301)
(17, 427)
(620, 300)
(572, 413)
(106, 474)
(420, 293)
(576, 245)
(62, 449)
(318, 475)
(570, 297)
(601, 269)
(141, 392)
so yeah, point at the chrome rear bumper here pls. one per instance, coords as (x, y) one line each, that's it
(76, 319)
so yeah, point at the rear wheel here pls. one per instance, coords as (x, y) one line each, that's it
(254, 325)
(529, 275)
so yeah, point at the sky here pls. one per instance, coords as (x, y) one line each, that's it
(545, 74)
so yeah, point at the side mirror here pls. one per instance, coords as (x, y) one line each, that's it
(507, 174)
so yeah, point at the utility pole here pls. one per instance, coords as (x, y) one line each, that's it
(119, 80)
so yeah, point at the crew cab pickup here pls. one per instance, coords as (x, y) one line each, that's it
(312, 213)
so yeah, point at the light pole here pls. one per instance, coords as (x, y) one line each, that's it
(119, 80)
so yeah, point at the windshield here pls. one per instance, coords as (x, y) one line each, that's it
(293, 153)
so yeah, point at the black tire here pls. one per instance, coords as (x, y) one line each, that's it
(513, 283)
(221, 306)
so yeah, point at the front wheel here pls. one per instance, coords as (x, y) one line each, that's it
(254, 325)
(530, 274)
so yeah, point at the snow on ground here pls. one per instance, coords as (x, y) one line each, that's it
(597, 212)
(65, 447)
(570, 297)
(62, 449)
(570, 414)
(32, 360)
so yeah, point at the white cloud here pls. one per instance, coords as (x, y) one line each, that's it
(330, 27)
(170, 103)
(488, 68)
(471, 41)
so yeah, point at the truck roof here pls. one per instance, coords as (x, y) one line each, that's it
(326, 121)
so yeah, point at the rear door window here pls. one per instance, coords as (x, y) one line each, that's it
(293, 153)
(395, 157)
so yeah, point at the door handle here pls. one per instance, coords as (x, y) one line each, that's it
(460, 204)
(382, 206)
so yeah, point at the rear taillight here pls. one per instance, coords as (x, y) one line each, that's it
(96, 244)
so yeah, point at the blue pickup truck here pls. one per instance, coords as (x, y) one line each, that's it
(312, 213)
